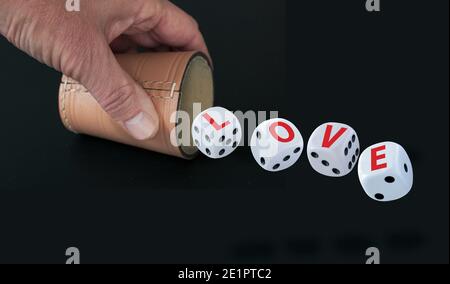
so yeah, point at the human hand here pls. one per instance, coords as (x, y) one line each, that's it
(81, 45)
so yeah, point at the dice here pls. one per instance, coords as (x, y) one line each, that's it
(333, 149)
(216, 132)
(276, 144)
(385, 172)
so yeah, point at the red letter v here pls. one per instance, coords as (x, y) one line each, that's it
(328, 141)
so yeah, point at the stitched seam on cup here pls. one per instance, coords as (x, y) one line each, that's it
(170, 74)
(139, 67)
(175, 67)
(158, 86)
(64, 106)
(178, 65)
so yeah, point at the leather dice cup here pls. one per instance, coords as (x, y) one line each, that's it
(175, 81)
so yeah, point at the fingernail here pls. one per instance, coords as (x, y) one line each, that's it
(141, 127)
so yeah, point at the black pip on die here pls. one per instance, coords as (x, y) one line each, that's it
(333, 149)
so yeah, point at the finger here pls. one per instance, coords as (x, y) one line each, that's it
(177, 29)
(118, 94)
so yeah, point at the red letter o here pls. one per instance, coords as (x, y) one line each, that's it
(273, 132)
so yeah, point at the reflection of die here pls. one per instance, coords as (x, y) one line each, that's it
(216, 132)
(276, 144)
(385, 171)
(333, 149)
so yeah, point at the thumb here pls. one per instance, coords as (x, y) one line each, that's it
(119, 95)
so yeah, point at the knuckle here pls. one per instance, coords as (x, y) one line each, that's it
(195, 23)
(62, 41)
(148, 13)
(78, 52)
(158, 7)
(13, 26)
(18, 29)
(13, 33)
(119, 103)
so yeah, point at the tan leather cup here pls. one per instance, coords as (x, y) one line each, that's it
(175, 81)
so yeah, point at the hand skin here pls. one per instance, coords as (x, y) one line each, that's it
(81, 45)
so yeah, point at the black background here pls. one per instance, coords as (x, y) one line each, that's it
(386, 74)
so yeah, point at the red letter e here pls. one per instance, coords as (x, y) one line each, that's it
(375, 157)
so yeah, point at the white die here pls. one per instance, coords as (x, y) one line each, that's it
(216, 132)
(333, 149)
(385, 171)
(276, 144)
